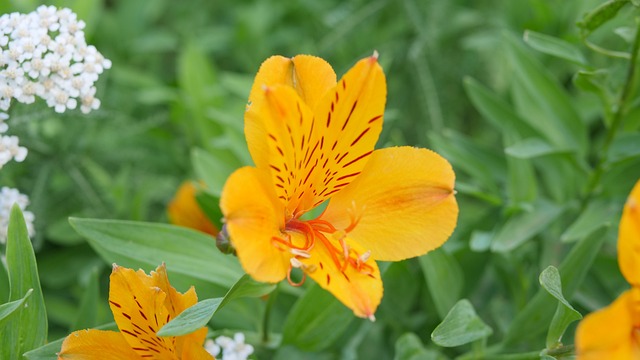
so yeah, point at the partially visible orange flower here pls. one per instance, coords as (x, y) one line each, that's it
(613, 333)
(185, 211)
(312, 140)
(141, 305)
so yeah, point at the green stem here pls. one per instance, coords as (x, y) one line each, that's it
(267, 314)
(618, 113)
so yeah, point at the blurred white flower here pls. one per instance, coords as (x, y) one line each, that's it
(8, 197)
(44, 54)
(232, 349)
(10, 150)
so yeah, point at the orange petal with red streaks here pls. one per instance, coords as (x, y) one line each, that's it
(609, 333)
(309, 76)
(629, 238)
(96, 345)
(254, 217)
(139, 311)
(402, 205)
(360, 291)
(185, 211)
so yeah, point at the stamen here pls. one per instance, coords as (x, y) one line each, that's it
(296, 263)
(364, 257)
(301, 253)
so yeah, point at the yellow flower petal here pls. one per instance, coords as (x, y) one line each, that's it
(96, 345)
(356, 284)
(312, 155)
(310, 77)
(139, 312)
(185, 211)
(609, 333)
(629, 238)
(401, 206)
(253, 217)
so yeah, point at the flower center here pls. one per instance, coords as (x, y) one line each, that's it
(322, 233)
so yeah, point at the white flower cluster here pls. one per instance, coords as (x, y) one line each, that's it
(232, 349)
(8, 197)
(44, 54)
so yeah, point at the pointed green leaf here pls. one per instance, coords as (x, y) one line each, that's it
(8, 309)
(198, 315)
(599, 213)
(523, 226)
(549, 108)
(565, 313)
(461, 326)
(554, 46)
(532, 148)
(535, 317)
(26, 329)
(600, 15)
(444, 279)
(139, 244)
(316, 320)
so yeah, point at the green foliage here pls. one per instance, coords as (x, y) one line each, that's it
(25, 327)
(538, 116)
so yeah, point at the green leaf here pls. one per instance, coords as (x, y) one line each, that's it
(600, 15)
(596, 82)
(565, 313)
(599, 213)
(87, 316)
(46, 352)
(535, 316)
(198, 315)
(4, 284)
(444, 279)
(10, 308)
(625, 146)
(213, 169)
(548, 106)
(26, 329)
(532, 148)
(554, 46)
(139, 244)
(316, 320)
(461, 326)
(409, 347)
(523, 226)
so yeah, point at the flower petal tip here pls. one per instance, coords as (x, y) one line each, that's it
(371, 318)
(375, 55)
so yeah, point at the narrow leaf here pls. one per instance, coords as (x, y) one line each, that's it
(444, 279)
(599, 213)
(87, 316)
(10, 308)
(554, 46)
(523, 226)
(198, 315)
(409, 347)
(316, 320)
(139, 244)
(600, 15)
(565, 313)
(27, 329)
(532, 148)
(461, 326)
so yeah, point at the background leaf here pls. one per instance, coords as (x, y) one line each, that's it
(461, 326)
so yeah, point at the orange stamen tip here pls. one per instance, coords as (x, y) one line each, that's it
(375, 55)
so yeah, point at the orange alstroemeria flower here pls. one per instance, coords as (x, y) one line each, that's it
(184, 210)
(312, 139)
(141, 305)
(613, 333)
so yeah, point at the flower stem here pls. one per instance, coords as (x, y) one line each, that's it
(267, 314)
(616, 122)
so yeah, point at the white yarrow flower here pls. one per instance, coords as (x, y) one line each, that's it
(232, 349)
(8, 197)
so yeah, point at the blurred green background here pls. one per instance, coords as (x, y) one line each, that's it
(181, 75)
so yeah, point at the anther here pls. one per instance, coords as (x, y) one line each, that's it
(364, 257)
(296, 263)
(300, 253)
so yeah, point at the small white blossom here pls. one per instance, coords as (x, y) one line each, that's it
(3, 125)
(8, 197)
(44, 54)
(11, 150)
(232, 349)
